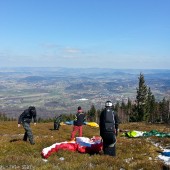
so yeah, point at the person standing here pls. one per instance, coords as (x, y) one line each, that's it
(57, 122)
(78, 123)
(25, 119)
(109, 122)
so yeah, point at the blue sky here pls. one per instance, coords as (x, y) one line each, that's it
(85, 33)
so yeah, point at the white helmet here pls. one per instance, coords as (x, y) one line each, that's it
(108, 104)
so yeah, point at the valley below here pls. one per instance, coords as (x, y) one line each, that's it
(55, 91)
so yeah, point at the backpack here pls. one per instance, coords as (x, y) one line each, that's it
(109, 121)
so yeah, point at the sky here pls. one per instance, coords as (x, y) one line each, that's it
(124, 34)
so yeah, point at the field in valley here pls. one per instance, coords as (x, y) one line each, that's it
(57, 91)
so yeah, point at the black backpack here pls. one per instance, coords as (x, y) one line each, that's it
(109, 121)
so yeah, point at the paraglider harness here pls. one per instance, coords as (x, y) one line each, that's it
(57, 122)
(110, 124)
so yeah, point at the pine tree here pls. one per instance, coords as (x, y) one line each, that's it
(122, 113)
(141, 98)
(164, 110)
(91, 115)
(116, 107)
(98, 115)
(129, 109)
(168, 116)
(150, 107)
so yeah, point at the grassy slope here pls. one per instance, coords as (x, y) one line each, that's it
(132, 154)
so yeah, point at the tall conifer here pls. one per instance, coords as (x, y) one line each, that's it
(141, 98)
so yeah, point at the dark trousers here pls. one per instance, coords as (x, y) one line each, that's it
(28, 133)
(56, 125)
(109, 144)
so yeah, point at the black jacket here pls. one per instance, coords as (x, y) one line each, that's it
(113, 119)
(58, 119)
(27, 116)
(79, 119)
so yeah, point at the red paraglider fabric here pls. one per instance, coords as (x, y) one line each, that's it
(82, 145)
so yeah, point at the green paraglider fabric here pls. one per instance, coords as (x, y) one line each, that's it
(156, 133)
(135, 133)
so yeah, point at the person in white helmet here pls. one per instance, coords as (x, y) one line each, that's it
(109, 123)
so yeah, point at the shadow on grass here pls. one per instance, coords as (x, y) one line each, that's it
(15, 140)
(54, 129)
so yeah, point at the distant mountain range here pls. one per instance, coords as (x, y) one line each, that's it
(60, 90)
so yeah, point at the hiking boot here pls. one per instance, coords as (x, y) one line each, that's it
(32, 142)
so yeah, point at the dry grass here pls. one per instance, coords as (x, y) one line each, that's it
(132, 153)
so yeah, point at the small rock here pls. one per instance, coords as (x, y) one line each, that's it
(61, 158)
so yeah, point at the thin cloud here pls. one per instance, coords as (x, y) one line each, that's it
(71, 53)
(72, 50)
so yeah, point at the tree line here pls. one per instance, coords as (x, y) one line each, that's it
(144, 108)
(3, 117)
